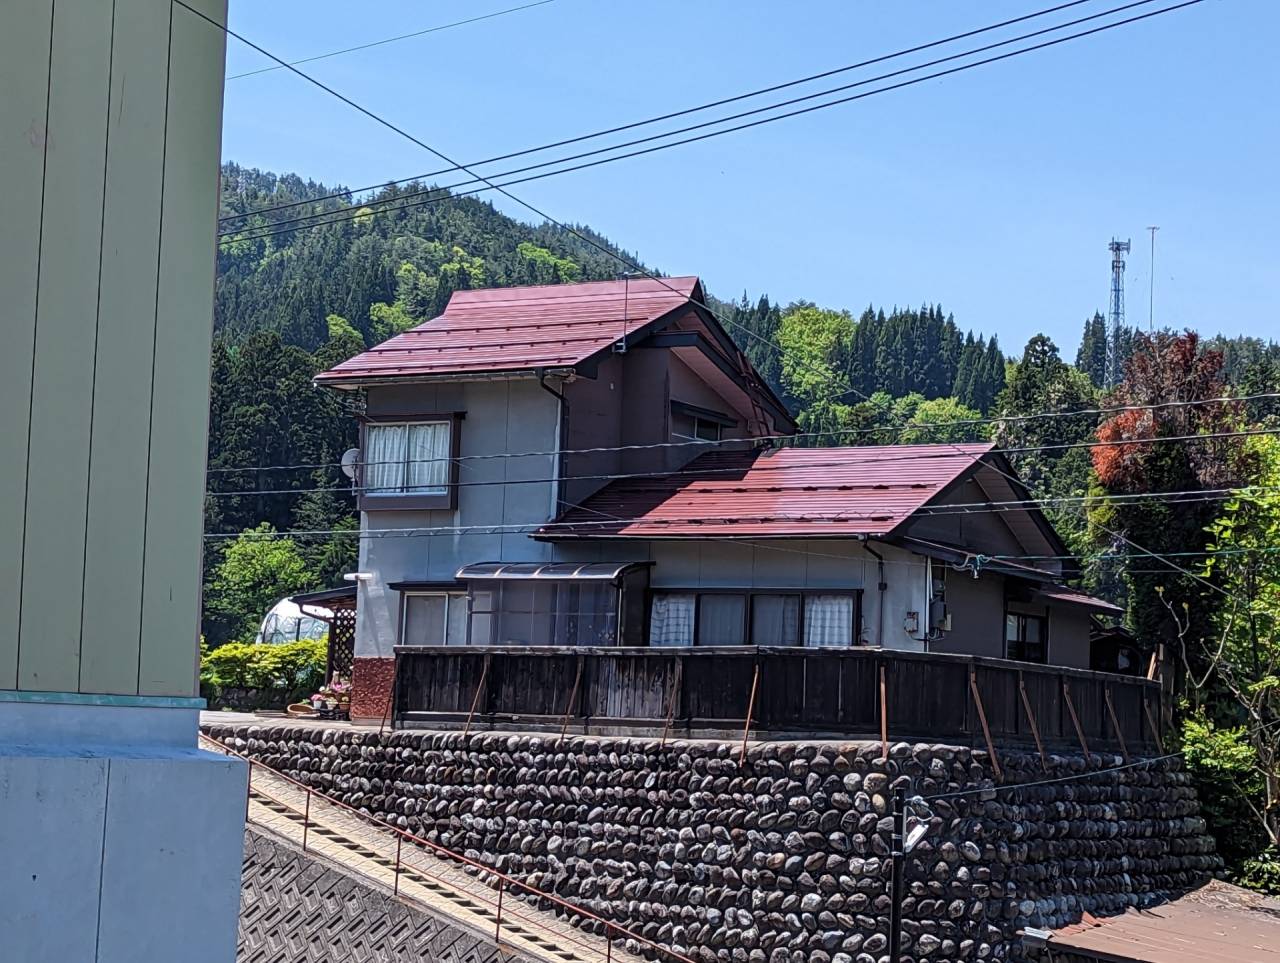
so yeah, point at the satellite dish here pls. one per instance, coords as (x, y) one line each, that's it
(350, 458)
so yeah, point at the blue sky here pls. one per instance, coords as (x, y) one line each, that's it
(994, 191)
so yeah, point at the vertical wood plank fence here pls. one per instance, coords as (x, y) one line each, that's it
(799, 692)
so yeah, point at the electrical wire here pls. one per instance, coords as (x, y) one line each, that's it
(502, 188)
(668, 116)
(351, 214)
(702, 473)
(371, 208)
(403, 36)
(1050, 782)
(840, 432)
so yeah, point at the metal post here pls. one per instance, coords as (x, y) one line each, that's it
(884, 716)
(399, 844)
(306, 822)
(898, 856)
(751, 707)
(608, 935)
(497, 931)
(248, 791)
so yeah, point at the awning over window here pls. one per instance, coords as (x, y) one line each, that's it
(548, 570)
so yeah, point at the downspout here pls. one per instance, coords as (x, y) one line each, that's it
(557, 470)
(883, 585)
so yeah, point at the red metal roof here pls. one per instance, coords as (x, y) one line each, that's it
(1070, 596)
(1217, 923)
(787, 492)
(518, 329)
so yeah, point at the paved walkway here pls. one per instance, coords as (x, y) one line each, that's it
(440, 884)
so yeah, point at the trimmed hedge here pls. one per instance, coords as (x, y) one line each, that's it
(257, 676)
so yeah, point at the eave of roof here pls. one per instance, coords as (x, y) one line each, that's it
(520, 329)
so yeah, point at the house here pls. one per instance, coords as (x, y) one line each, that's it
(597, 464)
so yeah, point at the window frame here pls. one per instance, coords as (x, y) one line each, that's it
(697, 416)
(1023, 617)
(855, 633)
(614, 591)
(411, 501)
(449, 593)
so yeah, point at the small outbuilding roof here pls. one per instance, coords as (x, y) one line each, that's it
(1217, 923)
(780, 493)
(499, 330)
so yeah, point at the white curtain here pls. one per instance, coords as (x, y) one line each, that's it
(384, 459)
(671, 619)
(428, 454)
(828, 620)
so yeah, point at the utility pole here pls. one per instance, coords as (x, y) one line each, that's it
(898, 856)
(1151, 293)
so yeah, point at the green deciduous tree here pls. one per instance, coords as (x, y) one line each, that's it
(815, 348)
(255, 571)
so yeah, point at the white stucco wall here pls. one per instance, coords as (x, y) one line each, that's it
(506, 497)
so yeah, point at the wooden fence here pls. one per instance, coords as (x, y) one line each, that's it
(785, 691)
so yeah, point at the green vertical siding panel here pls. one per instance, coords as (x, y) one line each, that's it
(180, 395)
(57, 461)
(24, 81)
(126, 333)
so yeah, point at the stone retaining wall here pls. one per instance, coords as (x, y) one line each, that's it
(782, 857)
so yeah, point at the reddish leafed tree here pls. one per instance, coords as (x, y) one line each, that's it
(1165, 372)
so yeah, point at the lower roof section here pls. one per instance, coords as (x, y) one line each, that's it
(777, 493)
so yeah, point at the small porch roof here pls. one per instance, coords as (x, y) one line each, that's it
(548, 571)
(343, 597)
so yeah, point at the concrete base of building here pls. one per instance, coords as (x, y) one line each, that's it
(121, 841)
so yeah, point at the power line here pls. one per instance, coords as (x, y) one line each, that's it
(841, 432)
(668, 116)
(403, 36)
(1049, 782)
(735, 469)
(348, 214)
(681, 130)
(506, 193)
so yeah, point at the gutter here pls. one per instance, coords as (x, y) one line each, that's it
(356, 382)
(866, 543)
(558, 465)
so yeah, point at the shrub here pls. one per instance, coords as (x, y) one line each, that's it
(280, 674)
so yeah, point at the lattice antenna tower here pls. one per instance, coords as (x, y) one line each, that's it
(1118, 250)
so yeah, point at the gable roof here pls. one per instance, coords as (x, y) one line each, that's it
(496, 330)
(779, 493)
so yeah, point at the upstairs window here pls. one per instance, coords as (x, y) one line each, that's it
(407, 459)
(691, 423)
(1026, 637)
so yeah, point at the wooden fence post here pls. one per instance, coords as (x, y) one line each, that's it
(982, 718)
(1115, 723)
(475, 701)
(1075, 719)
(751, 705)
(573, 695)
(1031, 718)
(677, 680)
(1155, 730)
